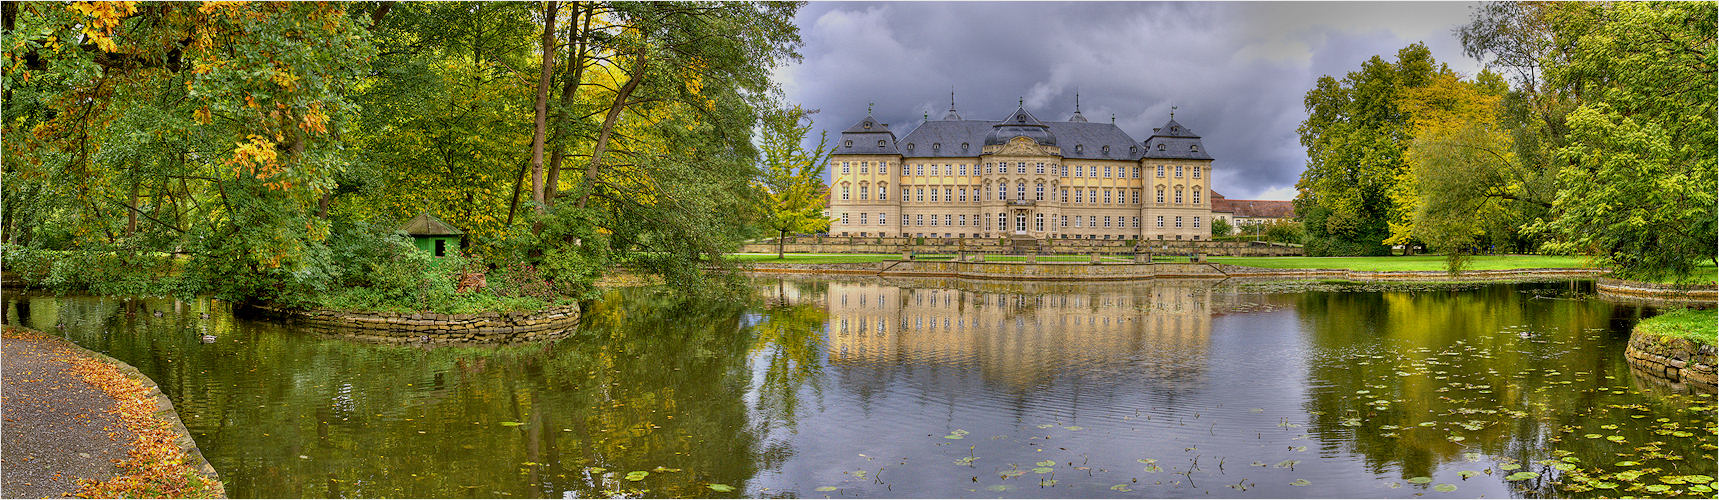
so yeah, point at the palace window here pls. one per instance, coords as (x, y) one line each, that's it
(1079, 196)
(844, 217)
(1136, 222)
(863, 217)
(1178, 222)
(1079, 170)
(1178, 196)
(947, 219)
(919, 169)
(882, 191)
(1021, 167)
(987, 168)
(933, 220)
(919, 220)
(844, 167)
(882, 218)
(919, 194)
(1092, 194)
(963, 192)
(1107, 172)
(1160, 146)
(963, 147)
(1040, 168)
(1194, 147)
(933, 195)
(947, 192)
(1038, 222)
(1107, 196)
(1160, 222)
(1136, 196)
(1106, 221)
(1021, 190)
(1105, 150)
(1076, 220)
(863, 192)
(864, 167)
(1065, 195)
(1039, 192)
(883, 168)
(1065, 221)
(936, 147)
(880, 143)
(1160, 194)
(844, 192)
(1002, 221)
(1197, 172)
(1002, 191)
(1078, 148)
(962, 219)
(1196, 195)
(1196, 221)
(1136, 172)
(1160, 171)
(848, 143)
(1178, 170)
(963, 169)
(1092, 221)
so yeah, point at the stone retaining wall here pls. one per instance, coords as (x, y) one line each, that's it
(1658, 292)
(857, 244)
(1074, 271)
(1675, 360)
(493, 327)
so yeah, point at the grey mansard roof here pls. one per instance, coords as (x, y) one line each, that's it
(1175, 141)
(863, 139)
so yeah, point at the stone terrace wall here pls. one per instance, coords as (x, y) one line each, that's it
(857, 244)
(1675, 360)
(1657, 292)
(1045, 271)
(494, 327)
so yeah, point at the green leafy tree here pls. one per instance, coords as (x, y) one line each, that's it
(791, 178)
(1221, 228)
(1355, 135)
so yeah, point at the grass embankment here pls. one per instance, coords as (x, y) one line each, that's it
(1394, 263)
(1704, 274)
(1697, 325)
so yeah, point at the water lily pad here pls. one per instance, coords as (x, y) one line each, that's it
(1522, 476)
(1043, 470)
(1671, 479)
(638, 475)
(1046, 426)
(1629, 475)
(1300, 482)
(1606, 485)
(512, 424)
(1593, 436)
(1121, 487)
(1656, 488)
(1615, 439)
(1286, 464)
(595, 470)
(1074, 428)
(1509, 466)
(720, 488)
(967, 461)
(1147, 461)
(1444, 487)
(1420, 480)
(826, 488)
(1467, 474)
(1627, 463)
(953, 436)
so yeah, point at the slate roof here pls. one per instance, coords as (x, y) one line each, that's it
(425, 225)
(1087, 141)
(940, 139)
(863, 137)
(943, 138)
(1020, 124)
(1175, 141)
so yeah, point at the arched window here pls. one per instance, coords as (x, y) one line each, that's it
(880, 143)
(910, 147)
(1160, 146)
(1105, 150)
(1021, 190)
(963, 147)
(848, 143)
(936, 146)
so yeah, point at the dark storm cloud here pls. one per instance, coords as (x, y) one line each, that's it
(1237, 72)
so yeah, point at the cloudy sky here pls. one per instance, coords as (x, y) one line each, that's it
(1237, 72)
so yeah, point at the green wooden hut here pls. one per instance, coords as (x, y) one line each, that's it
(432, 235)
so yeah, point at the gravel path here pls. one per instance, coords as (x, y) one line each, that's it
(56, 426)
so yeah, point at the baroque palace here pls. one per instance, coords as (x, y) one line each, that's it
(1020, 178)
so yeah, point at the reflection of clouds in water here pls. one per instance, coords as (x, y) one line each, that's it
(1021, 337)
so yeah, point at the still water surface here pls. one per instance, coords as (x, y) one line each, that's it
(939, 388)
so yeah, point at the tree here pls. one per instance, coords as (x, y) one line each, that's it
(1221, 228)
(791, 178)
(1355, 136)
(1638, 174)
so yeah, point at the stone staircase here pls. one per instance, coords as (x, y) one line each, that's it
(1023, 245)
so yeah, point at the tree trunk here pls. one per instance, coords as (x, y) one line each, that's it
(781, 241)
(591, 171)
(576, 37)
(519, 180)
(541, 120)
(131, 217)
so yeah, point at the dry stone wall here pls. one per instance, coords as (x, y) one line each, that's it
(1657, 292)
(492, 327)
(1674, 360)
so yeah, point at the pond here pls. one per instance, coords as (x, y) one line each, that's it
(941, 388)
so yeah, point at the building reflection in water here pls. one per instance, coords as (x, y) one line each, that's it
(1017, 337)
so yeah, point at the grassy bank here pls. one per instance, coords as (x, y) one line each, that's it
(1697, 325)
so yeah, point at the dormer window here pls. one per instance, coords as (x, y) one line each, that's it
(1105, 149)
(1079, 147)
(880, 143)
(910, 147)
(1020, 118)
(849, 143)
(936, 147)
(1133, 150)
(963, 147)
(1160, 147)
(867, 125)
(1194, 148)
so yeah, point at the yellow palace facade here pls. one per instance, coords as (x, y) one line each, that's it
(1020, 178)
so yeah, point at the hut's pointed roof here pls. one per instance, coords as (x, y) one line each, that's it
(425, 225)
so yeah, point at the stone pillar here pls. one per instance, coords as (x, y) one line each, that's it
(1033, 257)
(1142, 258)
(906, 253)
(1095, 257)
(1199, 257)
(978, 257)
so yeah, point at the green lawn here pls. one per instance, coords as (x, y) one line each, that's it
(1697, 325)
(1412, 263)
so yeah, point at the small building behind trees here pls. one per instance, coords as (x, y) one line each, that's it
(432, 235)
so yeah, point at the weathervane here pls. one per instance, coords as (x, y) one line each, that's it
(1173, 112)
(868, 107)
(1022, 102)
(1077, 99)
